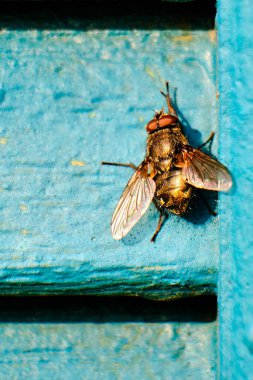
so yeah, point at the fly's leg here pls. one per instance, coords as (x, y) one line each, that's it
(130, 165)
(210, 139)
(171, 109)
(211, 211)
(161, 221)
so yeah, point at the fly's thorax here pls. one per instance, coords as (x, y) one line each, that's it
(172, 192)
(162, 146)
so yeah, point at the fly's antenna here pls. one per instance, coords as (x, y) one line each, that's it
(167, 95)
(171, 109)
(158, 114)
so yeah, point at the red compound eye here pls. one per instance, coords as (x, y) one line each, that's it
(164, 121)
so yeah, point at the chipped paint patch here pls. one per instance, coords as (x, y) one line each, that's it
(150, 72)
(170, 59)
(25, 232)
(92, 115)
(3, 140)
(212, 35)
(168, 329)
(151, 268)
(77, 163)
(155, 268)
(23, 207)
(183, 38)
(78, 39)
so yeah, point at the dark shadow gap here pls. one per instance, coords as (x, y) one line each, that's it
(82, 309)
(108, 14)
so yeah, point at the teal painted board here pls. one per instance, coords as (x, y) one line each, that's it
(235, 58)
(77, 93)
(62, 345)
(119, 351)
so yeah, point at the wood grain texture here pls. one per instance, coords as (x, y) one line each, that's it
(81, 340)
(72, 96)
(120, 351)
(236, 261)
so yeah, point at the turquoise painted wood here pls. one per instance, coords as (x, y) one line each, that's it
(72, 96)
(119, 351)
(85, 341)
(235, 60)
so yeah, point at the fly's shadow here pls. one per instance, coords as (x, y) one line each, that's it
(202, 206)
(140, 232)
(198, 213)
(193, 135)
(203, 203)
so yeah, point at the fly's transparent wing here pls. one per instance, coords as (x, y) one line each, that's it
(133, 203)
(204, 172)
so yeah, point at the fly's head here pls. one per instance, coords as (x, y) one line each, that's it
(161, 120)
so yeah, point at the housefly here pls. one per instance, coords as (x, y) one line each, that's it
(170, 171)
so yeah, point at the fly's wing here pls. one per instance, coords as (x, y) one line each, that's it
(133, 203)
(204, 172)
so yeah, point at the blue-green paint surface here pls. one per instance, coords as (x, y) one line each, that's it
(236, 118)
(107, 351)
(70, 98)
(106, 338)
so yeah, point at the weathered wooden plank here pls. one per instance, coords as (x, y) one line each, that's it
(236, 94)
(71, 97)
(77, 342)
(120, 351)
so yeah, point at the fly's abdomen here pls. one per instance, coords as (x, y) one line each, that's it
(172, 192)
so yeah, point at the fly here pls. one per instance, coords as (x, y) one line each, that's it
(168, 174)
